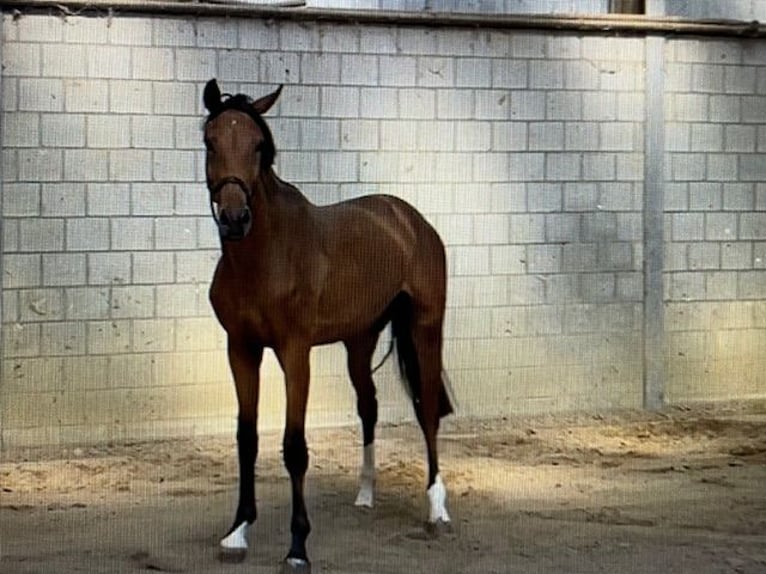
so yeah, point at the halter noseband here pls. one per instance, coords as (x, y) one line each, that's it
(220, 185)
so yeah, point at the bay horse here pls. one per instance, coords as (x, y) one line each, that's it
(293, 275)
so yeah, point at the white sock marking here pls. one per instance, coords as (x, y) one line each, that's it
(437, 496)
(237, 540)
(366, 496)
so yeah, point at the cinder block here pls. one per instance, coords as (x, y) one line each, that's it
(130, 96)
(108, 268)
(524, 105)
(64, 269)
(130, 31)
(707, 78)
(720, 226)
(469, 260)
(174, 165)
(752, 285)
(599, 106)
(108, 131)
(216, 33)
(194, 64)
(497, 104)
(509, 136)
(528, 45)
(580, 136)
(399, 71)
(687, 286)
(457, 42)
(752, 226)
(469, 73)
(630, 166)
(41, 235)
(278, 67)
(738, 196)
(87, 303)
(130, 165)
(132, 234)
(581, 75)
(41, 95)
(751, 167)
(64, 61)
(150, 335)
(151, 199)
(455, 229)
(299, 167)
(21, 270)
(579, 257)
(704, 255)
(85, 165)
(725, 108)
(737, 255)
(64, 338)
(360, 70)
(339, 102)
(21, 200)
(21, 340)
(688, 167)
(298, 37)
(468, 323)
(63, 130)
(509, 74)
(546, 74)
(546, 136)
(153, 63)
(178, 300)
(739, 138)
(152, 131)
(338, 39)
(63, 199)
(740, 79)
(198, 334)
(508, 259)
(688, 108)
(107, 199)
(132, 301)
(320, 68)
(195, 266)
(178, 32)
(155, 267)
(528, 167)
(175, 233)
(543, 258)
(562, 227)
(600, 318)
(676, 257)
(338, 167)
(108, 337)
(87, 96)
(21, 59)
(359, 135)
(598, 287)
(417, 41)
(490, 167)
(109, 62)
(563, 166)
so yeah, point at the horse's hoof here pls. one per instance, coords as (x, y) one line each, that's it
(439, 528)
(295, 566)
(232, 555)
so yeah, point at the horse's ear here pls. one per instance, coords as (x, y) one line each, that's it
(263, 105)
(212, 96)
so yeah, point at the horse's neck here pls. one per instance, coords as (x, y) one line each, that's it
(280, 203)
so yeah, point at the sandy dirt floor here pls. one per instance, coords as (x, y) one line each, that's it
(681, 491)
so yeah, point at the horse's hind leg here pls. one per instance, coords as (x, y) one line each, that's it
(360, 351)
(427, 339)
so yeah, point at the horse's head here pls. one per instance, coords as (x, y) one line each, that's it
(239, 148)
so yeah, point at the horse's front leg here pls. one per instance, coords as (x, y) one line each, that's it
(295, 363)
(245, 362)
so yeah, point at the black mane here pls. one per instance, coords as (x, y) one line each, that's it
(244, 103)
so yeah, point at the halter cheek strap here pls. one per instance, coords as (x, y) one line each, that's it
(219, 186)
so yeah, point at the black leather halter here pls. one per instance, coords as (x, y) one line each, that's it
(225, 181)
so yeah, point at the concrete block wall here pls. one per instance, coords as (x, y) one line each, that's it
(524, 149)
(715, 204)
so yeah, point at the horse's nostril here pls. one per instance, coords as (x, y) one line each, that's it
(246, 216)
(223, 217)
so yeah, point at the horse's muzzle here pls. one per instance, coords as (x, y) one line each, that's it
(234, 223)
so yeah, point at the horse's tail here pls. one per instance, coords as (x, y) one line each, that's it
(400, 314)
